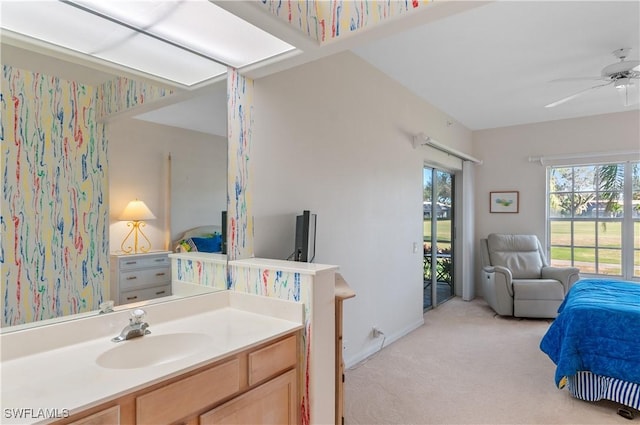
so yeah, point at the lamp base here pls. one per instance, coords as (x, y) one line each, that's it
(136, 228)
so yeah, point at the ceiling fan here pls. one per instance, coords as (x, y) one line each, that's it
(620, 74)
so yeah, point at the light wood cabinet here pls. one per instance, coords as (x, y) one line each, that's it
(342, 292)
(108, 416)
(140, 277)
(271, 360)
(257, 386)
(271, 403)
(181, 398)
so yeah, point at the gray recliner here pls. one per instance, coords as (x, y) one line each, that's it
(518, 281)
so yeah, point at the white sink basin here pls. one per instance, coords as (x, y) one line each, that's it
(153, 350)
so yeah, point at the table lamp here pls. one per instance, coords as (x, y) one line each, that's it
(135, 213)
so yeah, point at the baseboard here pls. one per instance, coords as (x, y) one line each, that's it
(374, 347)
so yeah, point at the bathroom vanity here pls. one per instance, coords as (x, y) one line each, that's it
(223, 357)
(311, 285)
(243, 388)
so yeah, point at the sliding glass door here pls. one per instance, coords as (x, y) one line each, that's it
(438, 213)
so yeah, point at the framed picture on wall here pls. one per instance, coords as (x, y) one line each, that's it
(504, 202)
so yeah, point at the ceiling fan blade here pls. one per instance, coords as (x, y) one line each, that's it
(622, 66)
(573, 96)
(561, 80)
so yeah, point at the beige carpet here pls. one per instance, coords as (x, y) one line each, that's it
(467, 366)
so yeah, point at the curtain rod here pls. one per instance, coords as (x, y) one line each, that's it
(424, 140)
(587, 155)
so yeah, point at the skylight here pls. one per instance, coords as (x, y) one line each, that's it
(183, 41)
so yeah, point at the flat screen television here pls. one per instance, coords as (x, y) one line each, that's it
(305, 248)
(223, 227)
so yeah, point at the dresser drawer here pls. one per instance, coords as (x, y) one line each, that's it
(180, 399)
(144, 278)
(272, 360)
(145, 294)
(141, 262)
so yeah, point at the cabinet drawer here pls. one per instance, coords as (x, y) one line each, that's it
(144, 262)
(142, 278)
(145, 294)
(272, 360)
(110, 416)
(182, 398)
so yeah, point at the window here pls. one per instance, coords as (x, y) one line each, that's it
(593, 218)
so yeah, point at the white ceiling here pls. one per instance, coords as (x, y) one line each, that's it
(486, 64)
(491, 66)
(205, 112)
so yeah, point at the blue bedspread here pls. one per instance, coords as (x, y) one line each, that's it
(597, 330)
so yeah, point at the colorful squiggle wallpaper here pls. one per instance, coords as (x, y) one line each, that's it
(212, 274)
(124, 93)
(240, 121)
(327, 20)
(54, 215)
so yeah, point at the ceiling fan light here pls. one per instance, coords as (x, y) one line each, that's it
(621, 83)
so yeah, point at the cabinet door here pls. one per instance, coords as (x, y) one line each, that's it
(273, 402)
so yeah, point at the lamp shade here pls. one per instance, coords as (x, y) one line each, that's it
(136, 211)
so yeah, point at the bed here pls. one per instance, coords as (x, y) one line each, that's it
(200, 239)
(595, 341)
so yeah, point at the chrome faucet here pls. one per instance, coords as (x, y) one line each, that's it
(135, 328)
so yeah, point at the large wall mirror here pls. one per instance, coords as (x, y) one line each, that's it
(172, 154)
(175, 158)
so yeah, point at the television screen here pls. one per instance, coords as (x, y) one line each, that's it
(224, 232)
(305, 248)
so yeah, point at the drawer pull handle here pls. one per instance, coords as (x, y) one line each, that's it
(131, 262)
(159, 260)
(132, 298)
(160, 274)
(132, 277)
(160, 292)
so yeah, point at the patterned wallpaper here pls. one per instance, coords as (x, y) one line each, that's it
(122, 94)
(54, 215)
(327, 20)
(239, 207)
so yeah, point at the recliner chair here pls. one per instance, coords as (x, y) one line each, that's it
(518, 281)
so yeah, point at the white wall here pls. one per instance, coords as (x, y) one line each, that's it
(334, 136)
(505, 152)
(138, 168)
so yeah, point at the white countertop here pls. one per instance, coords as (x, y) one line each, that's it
(212, 257)
(58, 370)
(284, 265)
